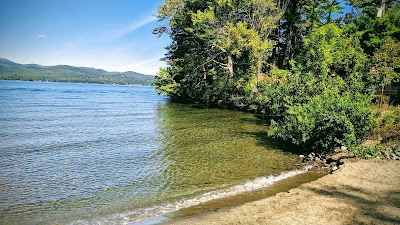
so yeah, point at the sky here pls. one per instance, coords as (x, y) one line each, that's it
(114, 35)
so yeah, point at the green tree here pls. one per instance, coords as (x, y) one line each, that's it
(329, 53)
(373, 22)
(218, 46)
(386, 62)
(299, 19)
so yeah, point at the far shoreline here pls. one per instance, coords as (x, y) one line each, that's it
(78, 82)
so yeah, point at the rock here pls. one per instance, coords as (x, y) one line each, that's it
(318, 160)
(343, 148)
(342, 155)
(302, 157)
(326, 169)
(337, 150)
(334, 168)
(395, 157)
(386, 154)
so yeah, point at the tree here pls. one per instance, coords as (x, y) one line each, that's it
(218, 46)
(373, 22)
(299, 19)
(386, 61)
(329, 53)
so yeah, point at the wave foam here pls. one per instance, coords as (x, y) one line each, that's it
(146, 213)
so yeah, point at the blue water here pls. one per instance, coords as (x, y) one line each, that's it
(108, 154)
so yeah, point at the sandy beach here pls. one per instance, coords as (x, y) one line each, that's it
(361, 192)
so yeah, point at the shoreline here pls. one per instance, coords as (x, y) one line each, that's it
(361, 191)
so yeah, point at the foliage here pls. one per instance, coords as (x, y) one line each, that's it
(326, 120)
(386, 62)
(388, 125)
(217, 48)
(305, 64)
(385, 137)
(165, 84)
(372, 30)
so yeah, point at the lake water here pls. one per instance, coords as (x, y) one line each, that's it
(108, 154)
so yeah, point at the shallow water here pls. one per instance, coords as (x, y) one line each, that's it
(107, 154)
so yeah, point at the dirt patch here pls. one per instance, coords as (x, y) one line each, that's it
(361, 192)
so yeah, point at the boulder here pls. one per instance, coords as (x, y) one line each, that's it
(318, 160)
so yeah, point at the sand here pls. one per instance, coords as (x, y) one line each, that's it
(361, 192)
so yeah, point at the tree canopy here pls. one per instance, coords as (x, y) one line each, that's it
(309, 65)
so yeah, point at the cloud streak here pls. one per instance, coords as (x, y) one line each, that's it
(41, 36)
(134, 26)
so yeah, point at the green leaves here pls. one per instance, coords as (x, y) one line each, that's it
(297, 62)
(327, 120)
(218, 47)
(386, 60)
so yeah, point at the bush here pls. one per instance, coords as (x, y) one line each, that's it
(326, 121)
(388, 125)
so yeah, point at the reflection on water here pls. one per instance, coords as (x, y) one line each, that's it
(87, 153)
(212, 148)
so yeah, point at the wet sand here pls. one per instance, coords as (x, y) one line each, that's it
(361, 192)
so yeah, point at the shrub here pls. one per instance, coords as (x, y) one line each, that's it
(327, 120)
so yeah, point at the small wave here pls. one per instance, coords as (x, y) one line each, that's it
(156, 211)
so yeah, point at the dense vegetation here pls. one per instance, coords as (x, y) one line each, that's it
(313, 66)
(14, 71)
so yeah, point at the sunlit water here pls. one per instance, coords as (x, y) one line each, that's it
(107, 154)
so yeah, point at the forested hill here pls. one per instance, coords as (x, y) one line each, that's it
(62, 73)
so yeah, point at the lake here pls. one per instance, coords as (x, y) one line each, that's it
(109, 154)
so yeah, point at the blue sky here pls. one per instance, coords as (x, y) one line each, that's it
(114, 35)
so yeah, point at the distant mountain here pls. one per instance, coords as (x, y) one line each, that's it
(62, 73)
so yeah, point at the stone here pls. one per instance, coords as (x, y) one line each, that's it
(342, 155)
(337, 150)
(318, 160)
(334, 168)
(343, 148)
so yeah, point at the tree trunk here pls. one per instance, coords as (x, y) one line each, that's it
(381, 101)
(381, 9)
(230, 66)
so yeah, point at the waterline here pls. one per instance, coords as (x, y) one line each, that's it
(154, 214)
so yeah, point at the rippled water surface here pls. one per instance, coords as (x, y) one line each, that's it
(90, 153)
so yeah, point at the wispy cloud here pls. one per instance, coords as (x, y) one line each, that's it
(134, 26)
(42, 36)
(149, 66)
